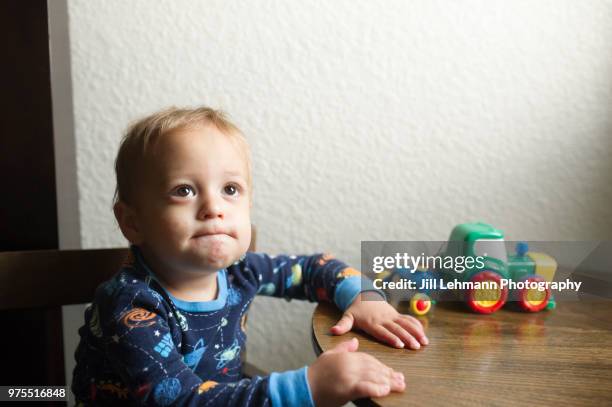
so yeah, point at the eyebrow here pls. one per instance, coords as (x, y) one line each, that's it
(173, 178)
(236, 173)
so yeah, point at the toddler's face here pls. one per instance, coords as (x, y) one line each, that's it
(194, 205)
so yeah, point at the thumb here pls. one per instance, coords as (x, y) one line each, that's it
(343, 325)
(347, 346)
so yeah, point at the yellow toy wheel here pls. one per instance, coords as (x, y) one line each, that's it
(420, 304)
(486, 301)
(533, 300)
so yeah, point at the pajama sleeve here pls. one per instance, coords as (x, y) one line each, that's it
(315, 278)
(142, 349)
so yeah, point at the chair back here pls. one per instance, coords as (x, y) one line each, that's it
(35, 284)
(50, 278)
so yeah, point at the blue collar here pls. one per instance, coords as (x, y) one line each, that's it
(191, 306)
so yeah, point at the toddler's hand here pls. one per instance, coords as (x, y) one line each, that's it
(382, 321)
(341, 374)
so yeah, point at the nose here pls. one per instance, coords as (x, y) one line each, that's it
(211, 207)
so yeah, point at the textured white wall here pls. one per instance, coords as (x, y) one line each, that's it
(367, 119)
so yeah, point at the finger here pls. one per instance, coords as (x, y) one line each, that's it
(414, 327)
(384, 335)
(382, 374)
(403, 334)
(347, 346)
(412, 320)
(370, 389)
(379, 374)
(343, 325)
(398, 382)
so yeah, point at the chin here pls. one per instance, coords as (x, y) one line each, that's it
(216, 253)
(217, 264)
(216, 261)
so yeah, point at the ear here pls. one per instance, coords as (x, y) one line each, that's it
(128, 222)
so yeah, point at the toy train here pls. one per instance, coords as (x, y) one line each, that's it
(497, 272)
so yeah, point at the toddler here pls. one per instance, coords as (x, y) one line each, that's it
(168, 328)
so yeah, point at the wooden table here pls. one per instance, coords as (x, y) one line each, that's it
(507, 358)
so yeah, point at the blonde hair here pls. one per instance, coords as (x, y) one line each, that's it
(141, 137)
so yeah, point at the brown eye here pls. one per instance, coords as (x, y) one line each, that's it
(184, 190)
(230, 189)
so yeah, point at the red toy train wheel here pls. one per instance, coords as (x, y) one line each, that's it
(486, 301)
(532, 300)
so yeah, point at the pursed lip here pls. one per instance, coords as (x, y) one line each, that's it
(212, 232)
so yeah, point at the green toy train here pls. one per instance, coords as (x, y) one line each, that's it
(490, 282)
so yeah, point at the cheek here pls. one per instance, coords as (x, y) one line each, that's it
(246, 237)
(245, 230)
(176, 226)
(245, 214)
(170, 225)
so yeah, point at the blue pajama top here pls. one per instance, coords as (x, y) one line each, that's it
(140, 345)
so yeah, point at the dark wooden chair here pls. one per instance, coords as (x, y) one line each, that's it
(45, 280)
